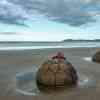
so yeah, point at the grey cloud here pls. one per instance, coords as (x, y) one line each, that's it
(11, 13)
(69, 12)
(72, 12)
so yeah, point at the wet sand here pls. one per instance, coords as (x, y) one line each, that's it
(13, 62)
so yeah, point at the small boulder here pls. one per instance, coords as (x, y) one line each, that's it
(96, 57)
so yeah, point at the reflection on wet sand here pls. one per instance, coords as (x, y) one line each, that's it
(26, 85)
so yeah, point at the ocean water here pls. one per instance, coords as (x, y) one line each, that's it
(44, 45)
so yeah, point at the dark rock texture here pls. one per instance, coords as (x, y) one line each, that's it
(96, 57)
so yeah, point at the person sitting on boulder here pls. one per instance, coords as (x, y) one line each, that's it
(59, 57)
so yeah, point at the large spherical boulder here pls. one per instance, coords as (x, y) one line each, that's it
(57, 72)
(96, 57)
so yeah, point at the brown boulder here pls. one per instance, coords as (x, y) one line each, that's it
(96, 57)
(56, 73)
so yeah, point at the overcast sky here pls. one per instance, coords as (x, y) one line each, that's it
(53, 20)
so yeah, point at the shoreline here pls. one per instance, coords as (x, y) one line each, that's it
(33, 48)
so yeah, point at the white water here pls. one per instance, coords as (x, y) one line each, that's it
(37, 47)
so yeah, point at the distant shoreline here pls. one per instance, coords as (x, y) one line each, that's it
(67, 40)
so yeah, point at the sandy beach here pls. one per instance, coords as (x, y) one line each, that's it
(13, 62)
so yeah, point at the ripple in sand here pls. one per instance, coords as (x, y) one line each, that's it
(26, 83)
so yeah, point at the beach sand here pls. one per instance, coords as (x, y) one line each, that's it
(13, 62)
